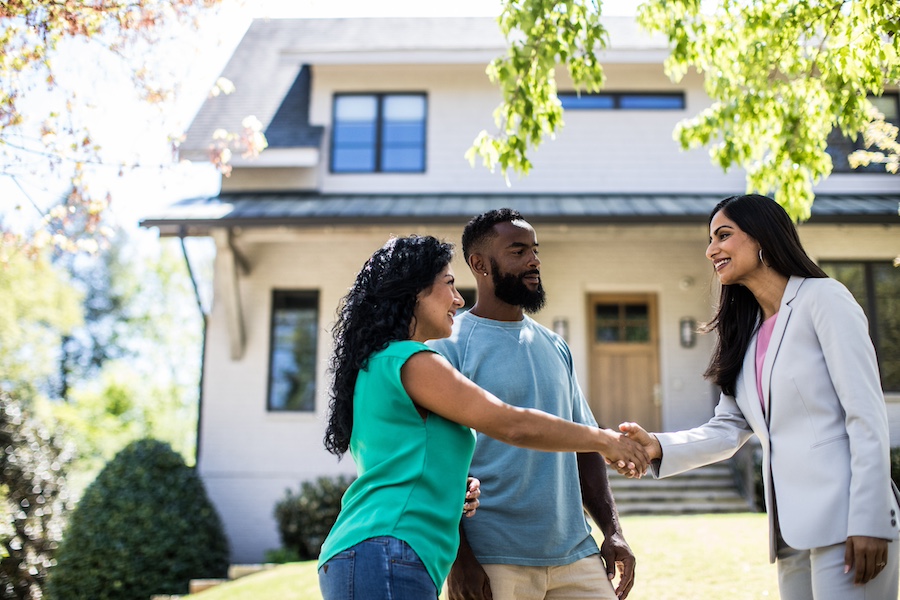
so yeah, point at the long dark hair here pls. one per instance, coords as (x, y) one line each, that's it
(737, 315)
(377, 310)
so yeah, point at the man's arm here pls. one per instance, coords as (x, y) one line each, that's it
(599, 503)
(467, 579)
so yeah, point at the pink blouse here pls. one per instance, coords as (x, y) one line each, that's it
(762, 344)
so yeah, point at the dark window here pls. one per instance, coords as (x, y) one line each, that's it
(621, 323)
(876, 286)
(292, 362)
(622, 101)
(840, 147)
(376, 133)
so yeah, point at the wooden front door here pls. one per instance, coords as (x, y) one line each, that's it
(624, 360)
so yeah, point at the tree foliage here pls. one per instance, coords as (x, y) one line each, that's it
(782, 74)
(33, 484)
(38, 308)
(42, 129)
(541, 34)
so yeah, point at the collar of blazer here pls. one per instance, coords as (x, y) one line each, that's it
(784, 314)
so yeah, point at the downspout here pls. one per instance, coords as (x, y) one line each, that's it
(203, 315)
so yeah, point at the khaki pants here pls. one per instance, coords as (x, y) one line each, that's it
(582, 579)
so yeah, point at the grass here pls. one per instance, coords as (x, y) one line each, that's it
(696, 556)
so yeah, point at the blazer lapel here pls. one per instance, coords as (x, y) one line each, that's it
(781, 321)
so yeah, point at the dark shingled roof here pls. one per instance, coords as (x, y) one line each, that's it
(290, 126)
(264, 209)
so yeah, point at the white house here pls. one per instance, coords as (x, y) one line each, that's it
(368, 121)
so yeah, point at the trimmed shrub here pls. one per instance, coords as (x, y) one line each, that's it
(305, 519)
(144, 526)
(33, 482)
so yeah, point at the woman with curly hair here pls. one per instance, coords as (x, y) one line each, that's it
(405, 414)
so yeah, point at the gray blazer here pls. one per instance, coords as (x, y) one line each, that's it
(824, 433)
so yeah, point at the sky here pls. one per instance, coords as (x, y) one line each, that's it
(131, 131)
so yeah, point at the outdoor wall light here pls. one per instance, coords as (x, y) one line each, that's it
(687, 328)
(561, 327)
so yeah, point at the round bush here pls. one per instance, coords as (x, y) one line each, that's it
(145, 526)
(305, 519)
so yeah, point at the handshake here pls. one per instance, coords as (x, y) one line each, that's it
(631, 451)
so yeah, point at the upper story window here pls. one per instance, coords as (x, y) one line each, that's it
(876, 286)
(622, 101)
(840, 147)
(292, 360)
(378, 133)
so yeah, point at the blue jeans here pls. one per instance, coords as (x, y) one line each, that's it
(381, 568)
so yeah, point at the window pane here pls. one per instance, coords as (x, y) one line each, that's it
(404, 134)
(606, 311)
(354, 134)
(353, 161)
(586, 101)
(651, 102)
(402, 160)
(852, 275)
(293, 354)
(886, 105)
(355, 108)
(840, 147)
(404, 108)
(887, 306)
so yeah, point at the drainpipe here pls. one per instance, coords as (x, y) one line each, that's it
(181, 236)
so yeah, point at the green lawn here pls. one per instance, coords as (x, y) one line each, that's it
(702, 556)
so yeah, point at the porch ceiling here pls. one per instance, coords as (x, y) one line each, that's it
(277, 209)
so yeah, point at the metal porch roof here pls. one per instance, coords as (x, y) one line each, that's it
(270, 209)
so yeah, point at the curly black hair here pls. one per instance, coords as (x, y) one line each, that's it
(481, 227)
(377, 310)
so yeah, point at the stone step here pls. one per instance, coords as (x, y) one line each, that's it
(705, 490)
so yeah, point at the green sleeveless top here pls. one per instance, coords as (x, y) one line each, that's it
(412, 472)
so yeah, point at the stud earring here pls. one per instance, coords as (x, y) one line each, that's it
(485, 274)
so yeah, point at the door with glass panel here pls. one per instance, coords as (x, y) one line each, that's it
(624, 382)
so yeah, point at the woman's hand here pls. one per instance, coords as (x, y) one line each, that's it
(867, 556)
(473, 491)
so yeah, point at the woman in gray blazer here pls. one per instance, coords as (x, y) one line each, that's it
(797, 368)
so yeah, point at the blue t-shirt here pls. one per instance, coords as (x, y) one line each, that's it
(531, 511)
(412, 472)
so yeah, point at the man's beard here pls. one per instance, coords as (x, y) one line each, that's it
(512, 289)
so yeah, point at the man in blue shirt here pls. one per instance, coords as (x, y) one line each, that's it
(529, 538)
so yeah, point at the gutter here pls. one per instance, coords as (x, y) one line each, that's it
(205, 318)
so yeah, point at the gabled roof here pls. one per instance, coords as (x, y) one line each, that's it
(290, 126)
(267, 209)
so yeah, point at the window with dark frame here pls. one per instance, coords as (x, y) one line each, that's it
(876, 286)
(841, 147)
(292, 358)
(622, 101)
(378, 133)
